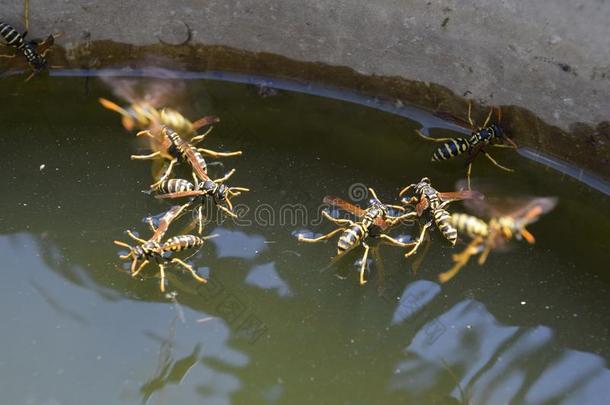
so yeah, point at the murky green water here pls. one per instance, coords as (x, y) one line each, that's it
(529, 327)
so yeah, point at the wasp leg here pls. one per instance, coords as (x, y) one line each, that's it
(419, 240)
(420, 258)
(134, 237)
(218, 154)
(337, 221)
(363, 263)
(496, 163)
(199, 138)
(30, 76)
(468, 173)
(469, 114)
(486, 251)
(491, 110)
(200, 218)
(226, 177)
(26, 14)
(227, 211)
(404, 190)
(429, 138)
(501, 145)
(190, 269)
(166, 174)
(460, 260)
(8, 56)
(150, 223)
(146, 157)
(320, 238)
(403, 217)
(162, 272)
(395, 242)
(136, 272)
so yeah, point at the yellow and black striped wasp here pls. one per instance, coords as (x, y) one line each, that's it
(427, 199)
(372, 222)
(155, 249)
(198, 191)
(495, 223)
(479, 139)
(34, 52)
(179, 148)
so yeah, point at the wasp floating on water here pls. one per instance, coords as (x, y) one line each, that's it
(34, 52)
(155, 249)
(372, 220)
(480, 138)
(185, 150)
(431, 204)
(504, 221)
(219, 192)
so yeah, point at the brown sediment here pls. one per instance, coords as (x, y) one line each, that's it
(585, 145)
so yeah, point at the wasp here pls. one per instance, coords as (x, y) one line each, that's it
(480, 138)
(374, 218)
(34, 52)
(427, 199)
(185, 150)
(216, 189)
(143, 115)
(502, 226)
(154, 249)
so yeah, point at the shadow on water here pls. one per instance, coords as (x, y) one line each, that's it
(271, 327)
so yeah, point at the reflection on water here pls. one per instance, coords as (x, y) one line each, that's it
(270, 327)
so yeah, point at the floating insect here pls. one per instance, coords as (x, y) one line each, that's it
(427, 199)
(154, 249)
(34, 52)
(144, 116)
(502, 226)
(182, 149)
(373, 219)
(479, 139)
(219, 192)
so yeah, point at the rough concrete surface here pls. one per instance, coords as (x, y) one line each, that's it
(551, 57)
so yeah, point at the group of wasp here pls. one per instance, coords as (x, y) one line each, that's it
(174, 138)
(424, 205)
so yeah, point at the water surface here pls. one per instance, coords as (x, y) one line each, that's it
(271, 327)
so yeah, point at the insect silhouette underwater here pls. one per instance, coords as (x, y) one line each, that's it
(34, 52)
(479, 139)
(374, 218)
(154, 249)
(506, 221)
(428, 200)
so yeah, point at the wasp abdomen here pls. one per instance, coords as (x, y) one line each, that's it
(470, 225)
(11, 36)
(182, 242)
(450, 149)
(443, 223)
(350, 237)
(175, 186)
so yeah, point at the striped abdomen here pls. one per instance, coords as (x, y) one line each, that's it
(182, 242)
(350, 238)
(11, 36)
(189, 153)
(443, 223)
(175, 186)
(470, 225)
(451, 149)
